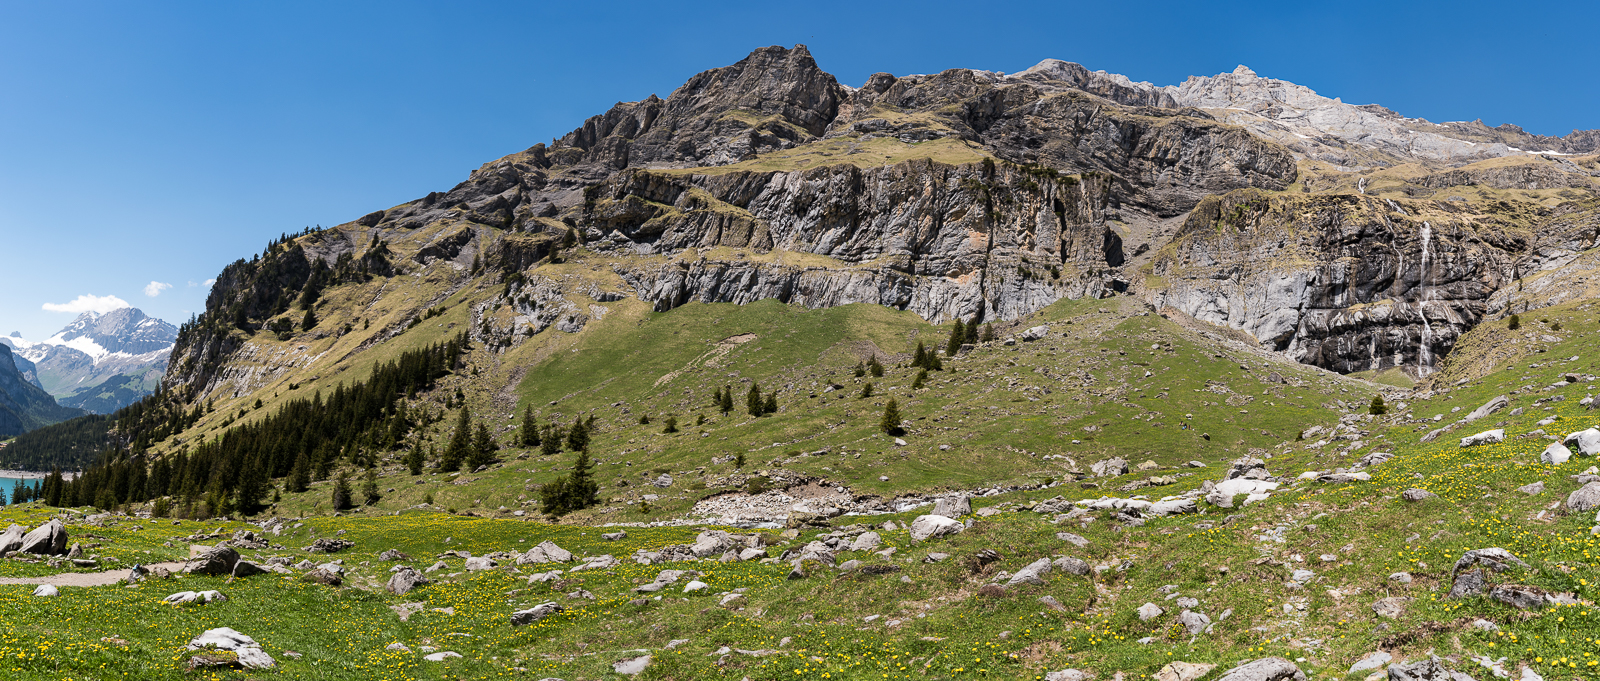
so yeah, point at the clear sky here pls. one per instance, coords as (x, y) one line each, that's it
(149, 144)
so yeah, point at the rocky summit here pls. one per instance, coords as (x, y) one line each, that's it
(1049, 375)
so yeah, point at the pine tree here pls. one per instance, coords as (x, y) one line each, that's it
(920, 357)
(916, 383)
(771, 405)
(738, 461)
(891, 418)
(860, 370)
(874, 368)
(460, 443)
(483, 448)
(1377, 408)
(934, 362)
(671, 425)
(866, 390)
(578, 437)
(988, 333)
(958, 335)
(644, 419)
(581, 487)
(309, 321)
(752, 400)
(369, 487)
(716, 397)
(1515, 323)
(300, 474)
(530, 428)
(414, 459)
(972, 331)
(727, 400)
(341, 492)
(551, 443)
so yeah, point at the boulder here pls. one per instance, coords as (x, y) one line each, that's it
(1415, 494)
(931, 526)
(1555, 454)
(1344, 478)
(329, 545)
(481, 563)
(1193, 622)
(1392, 607)
(1072, 539)
(202, 597)
(1109, 468)
(952, 507)
(1035, 333)
(46, 590)
(1431, 669)
(1584, 442)
(1071, 566)
(1184, 671)
(441, 656)
(323, 577)
(1265, 669)
(245, 568)
(404, 580)
(394, 555)
(1149, 611)
(545, 552)
(1487, 437)
(1532, 489)
(1490, 407)
(615, 536)
(49, 539)
(1033, 573)
(631, 666)
(216, 562)
(1173, 507)
(866, 541)
(1051, 603)
(1520, 596)
(534, 614)
(1466, 584)
(1069, 675)
(1373, 660)
(11, 539)
(711, 543)
(246, 652)
(1494, 558)
(1585, 498)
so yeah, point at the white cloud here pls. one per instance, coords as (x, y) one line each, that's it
(88, 303)
(207, 283)
(155, 288)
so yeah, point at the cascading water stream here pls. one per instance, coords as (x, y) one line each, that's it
(1424, 350)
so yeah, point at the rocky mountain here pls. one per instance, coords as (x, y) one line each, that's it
(1347, 237)
(25, 406)
(100, 362)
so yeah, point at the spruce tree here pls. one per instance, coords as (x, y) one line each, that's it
(866, 390)
(1377, 408)
(917, 382)
(860, 370)
(581, 487)
(1515, 323)
(920, 357)
(727, 400)
(551, 443)
(300, 474)
(972, 330)
(988, 333)
(738, 461)
(891, 418)
(771, 405)
(578, 437)
(958, 335)
(671, 425)
(874, 368)
(644, 419)
(530, 428)
(341, 492)
(414, 459)
(483, 448)
(309, 321)
(934, 362)
(369, 487)
(716, 397)
(460, 443)
(752, 400)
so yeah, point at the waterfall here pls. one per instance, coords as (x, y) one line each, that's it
(1424, 350)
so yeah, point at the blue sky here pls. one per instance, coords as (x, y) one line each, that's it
(147, 143)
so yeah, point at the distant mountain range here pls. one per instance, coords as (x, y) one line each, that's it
(24, 406)
(100, 362)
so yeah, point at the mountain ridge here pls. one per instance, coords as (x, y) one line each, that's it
(100, 361)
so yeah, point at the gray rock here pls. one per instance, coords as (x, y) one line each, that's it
(1430, 669)
(932, 526)
(404, 580)
(1392, 607)
(246, 652)
(393, 555)
(1373, 660)
(1109, 468)
(614, 536)
(201, 597)
(866, 541)
(1072, 539)
(1520, 596)
(1414, 494)
(245, 568)
(1490, 407)
(46, 591)
(323, 577)
(1532, 489)
(217, 561)
(1467, 583)
(1400, 577)
(1051, 603)
(1149, 611)
(1584, 442)
(1585, 498)
(1494, 558)
(1035, 333)
(49, 539)
(534, 614)
(1193, 622)
(1555, 454)
(545, 552)
(1069, 675)
(952, 507)
(480, 563)
(1033, 573)
(11, 539)
(1484, 438)
(1265, 669)
(1071, 566)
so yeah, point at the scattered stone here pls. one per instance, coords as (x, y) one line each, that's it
(952, 507)
(1184, 671)
(1149, 611)
(481, 563)
(329, 545)
(1072, 539)
(394, 555)
(866, 541)
(1584, 442)
(216, 562)
(1487, 437)
(441, 656)
(1392, 607)
(631, 666)
(246, 653)
(1265, 669)
(1585, 498)
(245, 568)
(1071, 566)
(534, 614)
(1373, 660)
(49, 539)
(1532, 488)
(46, 591)
(1490, 407)
(1033, 573)
(1555, 454)
(931, 526)
(1053, 604)
(323, 577)
(1193, 622)
(1401, 577)
(545, 552)
(615, 536)
(404, 580)
(1069, 675)
(201, 597)
(1415, 494)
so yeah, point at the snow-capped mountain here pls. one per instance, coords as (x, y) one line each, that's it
(101, 361)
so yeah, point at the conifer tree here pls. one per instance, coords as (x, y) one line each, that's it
(752, 400)
(958, 335)
(972, 330)
(934, 362)
(460, 443)
(309, 321)
(917, 382)
(644, 419)
(483, 448)
(551, 443)
(891, 418)
(578, 437)
(369, 487)
(727, 400)
(414, 459)
(860, 370)
(716, 397)
(300, 474)
(1377, 408)
(988, 333)
(866, 390)
(771, 405)
(530, 428)
(874, 368)
(738, 461)
(920, 357)
(671, 425)
(341, 492)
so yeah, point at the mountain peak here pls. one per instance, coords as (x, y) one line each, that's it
(1242, 70)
